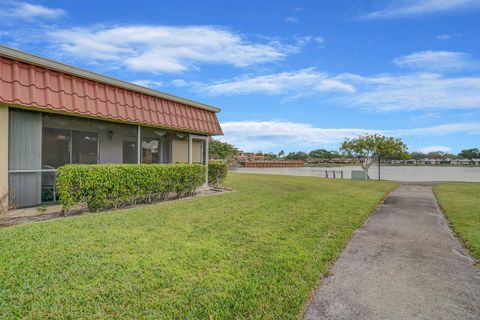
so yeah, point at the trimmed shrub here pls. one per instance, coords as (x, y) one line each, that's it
(217, 172)
(103, 186)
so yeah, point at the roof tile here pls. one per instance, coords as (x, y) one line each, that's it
(42, 88)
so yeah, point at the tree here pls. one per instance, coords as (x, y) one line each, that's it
(281, 154)
(374, 147)
(436, 155)
(270, 156)
(221, 150)
(473, 153)
(418, 155)
(321, 154)
(299, 155)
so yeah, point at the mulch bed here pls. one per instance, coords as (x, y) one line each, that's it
(7, 221)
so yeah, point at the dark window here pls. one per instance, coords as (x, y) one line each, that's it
(55, 148)
(166, 150)
(84, 147)
(129, 152)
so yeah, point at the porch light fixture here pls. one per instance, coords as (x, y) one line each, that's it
(160, 133)
(181, 135)
(110, 134)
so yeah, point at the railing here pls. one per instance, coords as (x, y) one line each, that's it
(273, 163)
(44, 186)
(334, 174)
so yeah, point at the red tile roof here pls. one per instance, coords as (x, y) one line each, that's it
(42, 88)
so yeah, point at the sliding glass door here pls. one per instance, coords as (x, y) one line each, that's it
(55, 153)
(84, 147)
(55, 147)
(61, 147)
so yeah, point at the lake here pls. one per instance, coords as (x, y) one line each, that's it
(395, 173)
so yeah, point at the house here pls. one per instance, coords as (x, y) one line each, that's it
(52, 114)
(244, 156)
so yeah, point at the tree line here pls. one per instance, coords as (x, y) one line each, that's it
(223, 150)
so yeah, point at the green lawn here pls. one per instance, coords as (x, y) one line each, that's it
(257, 253)
(461, 203)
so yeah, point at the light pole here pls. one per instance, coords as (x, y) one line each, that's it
(378, 167)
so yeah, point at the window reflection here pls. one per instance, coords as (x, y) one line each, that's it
(156, 146)
(150, 148)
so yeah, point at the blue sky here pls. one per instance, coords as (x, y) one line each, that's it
(291, 75)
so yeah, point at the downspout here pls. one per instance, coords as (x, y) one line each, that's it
(190, 155)
(139, 145)
(207, 154)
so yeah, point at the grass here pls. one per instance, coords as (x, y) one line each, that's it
(256, 253)
(461, 204)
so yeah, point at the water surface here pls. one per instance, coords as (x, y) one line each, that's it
(396, 173)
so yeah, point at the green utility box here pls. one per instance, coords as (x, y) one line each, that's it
(359, 175)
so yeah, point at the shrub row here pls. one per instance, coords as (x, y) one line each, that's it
(217, 172)
(104, 186)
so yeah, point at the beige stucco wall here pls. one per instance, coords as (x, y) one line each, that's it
(196, 151)
(179, 150)
(3, 149)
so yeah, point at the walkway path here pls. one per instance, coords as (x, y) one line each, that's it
(404, 263)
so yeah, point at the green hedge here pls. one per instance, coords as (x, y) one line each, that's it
(217, 172)
(104, 186)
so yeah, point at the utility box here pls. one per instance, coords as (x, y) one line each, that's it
(359, 175)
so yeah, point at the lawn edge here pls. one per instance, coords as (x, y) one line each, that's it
(328, 270)
(109, 211)
(455, 233)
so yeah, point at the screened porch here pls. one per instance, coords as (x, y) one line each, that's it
(41, 142)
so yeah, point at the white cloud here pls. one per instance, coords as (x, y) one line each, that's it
(149, 83)
(179, 83)
(436, 61)
(434, 149)
(447, 36)
(462, 127)
(420, 7)
(151, 48)
(291, 20)
(319, 40)
(386, 92)
(422, 91)
(256, 135)
(274, 134)
(301, 82)
(26, 10)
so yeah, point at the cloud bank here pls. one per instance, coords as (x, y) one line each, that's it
(409, 8)
(25, 10)
(274, 134)
(385, 92)
(166, 49)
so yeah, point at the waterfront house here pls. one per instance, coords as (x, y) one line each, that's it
(52, 114)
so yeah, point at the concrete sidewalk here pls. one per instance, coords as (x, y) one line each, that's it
(403, 263)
